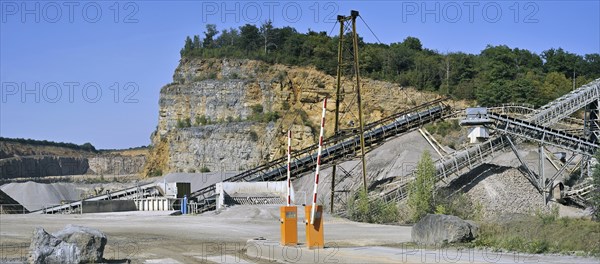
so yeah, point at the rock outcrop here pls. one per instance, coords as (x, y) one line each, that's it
(228, 114)
(34, 160)
(41, 166)
(116, 164)
(435, 229)
(73, 244)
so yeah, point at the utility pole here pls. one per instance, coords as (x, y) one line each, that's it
(354, 14)
(342, 20)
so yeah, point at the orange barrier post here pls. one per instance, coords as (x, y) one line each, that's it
(289, 214)
(314, 230)
(289, 225)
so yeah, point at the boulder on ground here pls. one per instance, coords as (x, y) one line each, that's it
(73, 244)
(435, 229)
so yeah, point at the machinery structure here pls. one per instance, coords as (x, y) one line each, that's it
(536, 126)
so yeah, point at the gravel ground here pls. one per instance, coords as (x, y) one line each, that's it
(156, 237)
(143, 236)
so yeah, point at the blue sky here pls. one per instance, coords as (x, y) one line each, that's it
(91, 71)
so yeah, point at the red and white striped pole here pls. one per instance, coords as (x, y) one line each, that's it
(314, 202)
(289, 156)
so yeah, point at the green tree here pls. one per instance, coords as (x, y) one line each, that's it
(413, 43)
(595, 196)
(526, 60)
(461, 72)
(558, 60)
(426, 74)
(497, 68)
(555, 85)
(399, 58)
(591, 67)
(249, 37)
(187, 47)
(88, 147)
(421, 190)
(228, 38)
(265, 31)
(361, 208)
(525, 89)
(372, 58)
(196, 43)
(209, 34)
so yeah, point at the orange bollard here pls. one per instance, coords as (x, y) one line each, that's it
(314, 232)
(289, 225)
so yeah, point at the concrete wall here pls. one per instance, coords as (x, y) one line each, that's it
(108, 206)
(259, 188)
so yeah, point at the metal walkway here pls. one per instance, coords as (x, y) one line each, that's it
(567, 104)
(579, 193)
(544, 135)
(335, 148)
(471, 157)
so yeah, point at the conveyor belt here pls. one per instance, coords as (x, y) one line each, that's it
(476, 155)
(335, 148)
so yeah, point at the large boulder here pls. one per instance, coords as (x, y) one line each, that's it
(435, 229)
(73, 244)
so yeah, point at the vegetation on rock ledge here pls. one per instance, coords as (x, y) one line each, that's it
(498, 74)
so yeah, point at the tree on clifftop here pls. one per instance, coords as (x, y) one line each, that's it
(420, 195)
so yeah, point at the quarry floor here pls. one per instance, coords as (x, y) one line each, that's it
(157, 237)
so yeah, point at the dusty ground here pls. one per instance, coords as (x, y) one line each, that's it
(153, 236)
(156, 237)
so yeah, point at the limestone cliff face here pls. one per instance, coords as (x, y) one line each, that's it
(20, 160)
(41, 166)
(219, 114)
(116, 164)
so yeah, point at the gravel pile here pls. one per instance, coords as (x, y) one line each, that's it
(34, 196)
(505, 193)
(396, 157)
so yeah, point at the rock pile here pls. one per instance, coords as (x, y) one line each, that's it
(73, 244)
(441, 229)
(506, 195)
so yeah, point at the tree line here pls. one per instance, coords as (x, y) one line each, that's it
(84, 147)
(498, 74)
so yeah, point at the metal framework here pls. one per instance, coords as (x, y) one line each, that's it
(567, 104)
(543, 135)
(547, 115)
(343, 20)
(140, 191)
